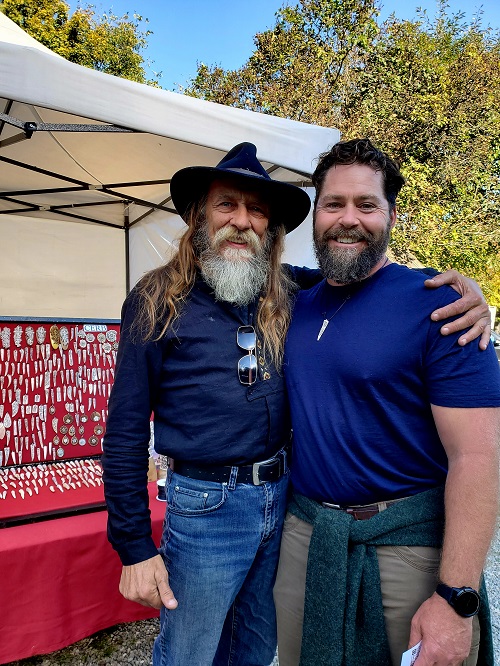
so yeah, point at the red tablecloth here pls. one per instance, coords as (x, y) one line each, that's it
(59, 583)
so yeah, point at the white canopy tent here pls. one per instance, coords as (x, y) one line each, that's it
(85, 165)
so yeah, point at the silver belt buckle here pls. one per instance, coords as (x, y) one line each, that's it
(329, 505)
(255, 474)
(256, 466)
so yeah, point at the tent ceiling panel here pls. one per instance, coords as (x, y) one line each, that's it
(60, 169)
(85, 214)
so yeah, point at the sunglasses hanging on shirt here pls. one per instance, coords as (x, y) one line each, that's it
(247, 365)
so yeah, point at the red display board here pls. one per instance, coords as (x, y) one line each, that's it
(55, 381)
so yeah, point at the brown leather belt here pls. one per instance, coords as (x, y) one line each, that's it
(361, 512)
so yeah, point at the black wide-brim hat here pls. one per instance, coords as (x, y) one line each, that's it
(289, 204)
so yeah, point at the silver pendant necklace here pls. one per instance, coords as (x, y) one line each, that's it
(326, 320)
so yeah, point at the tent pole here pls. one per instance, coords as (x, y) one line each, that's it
(127, 250)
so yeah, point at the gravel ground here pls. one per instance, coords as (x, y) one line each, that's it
(131, 644)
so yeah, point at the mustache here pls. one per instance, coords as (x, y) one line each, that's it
(236, 236)
(349, 234)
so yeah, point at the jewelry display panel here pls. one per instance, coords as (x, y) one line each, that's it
(55, 381)
(49, 489)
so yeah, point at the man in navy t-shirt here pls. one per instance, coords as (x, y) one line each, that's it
(394, 425)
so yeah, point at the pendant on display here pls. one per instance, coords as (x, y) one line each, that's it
(55, 336)
(18, 336)
(5, 336)
(30, 335)
(64, 336)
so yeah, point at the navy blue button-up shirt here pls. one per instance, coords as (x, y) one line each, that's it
(202, 413)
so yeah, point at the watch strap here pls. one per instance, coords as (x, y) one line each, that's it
(464, 600)
(445, 591)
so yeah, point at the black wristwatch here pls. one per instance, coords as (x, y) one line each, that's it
(464, 600)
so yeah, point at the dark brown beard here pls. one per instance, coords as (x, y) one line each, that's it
(346, 266)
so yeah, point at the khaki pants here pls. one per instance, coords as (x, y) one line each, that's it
(408, 577)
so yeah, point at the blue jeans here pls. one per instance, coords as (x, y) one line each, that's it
(220, 546)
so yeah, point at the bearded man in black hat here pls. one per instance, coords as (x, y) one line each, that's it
(201, 348)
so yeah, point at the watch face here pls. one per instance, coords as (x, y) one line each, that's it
(466, 603)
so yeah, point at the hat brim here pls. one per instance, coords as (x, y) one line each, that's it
(289, 204)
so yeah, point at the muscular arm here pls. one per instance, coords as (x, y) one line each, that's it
(470, 438)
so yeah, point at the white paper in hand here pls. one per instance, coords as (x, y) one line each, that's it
(410, 656)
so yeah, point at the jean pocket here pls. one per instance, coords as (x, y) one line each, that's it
(423, 558)
(190, 497)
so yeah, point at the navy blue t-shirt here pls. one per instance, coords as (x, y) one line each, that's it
(361, 396)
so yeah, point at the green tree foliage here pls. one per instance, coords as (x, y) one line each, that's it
(426, 91)
(298, 67)
(430, 93)
(108, 43)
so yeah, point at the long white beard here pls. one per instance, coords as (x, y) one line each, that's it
(236, 276)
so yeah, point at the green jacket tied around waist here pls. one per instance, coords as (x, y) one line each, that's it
(343, 613)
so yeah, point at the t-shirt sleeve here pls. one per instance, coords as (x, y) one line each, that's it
(459, 376)
(430, 272)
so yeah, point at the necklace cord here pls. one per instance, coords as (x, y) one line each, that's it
(327, 320)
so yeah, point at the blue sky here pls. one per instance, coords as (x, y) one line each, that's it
(221, 31)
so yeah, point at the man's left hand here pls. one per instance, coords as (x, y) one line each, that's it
(472, 303)
(446, 637)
